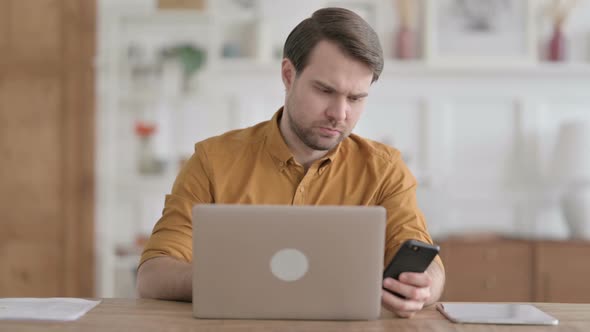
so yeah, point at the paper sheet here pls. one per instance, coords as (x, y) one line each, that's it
(59, 308)
(495, 313)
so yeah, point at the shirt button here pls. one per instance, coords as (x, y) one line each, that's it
(282, 163)
(301, 189)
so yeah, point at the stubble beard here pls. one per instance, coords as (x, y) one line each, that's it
(311, 139)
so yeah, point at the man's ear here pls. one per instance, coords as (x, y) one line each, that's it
(287, 73)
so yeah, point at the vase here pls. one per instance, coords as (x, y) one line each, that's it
(404, 43)
(556, 51)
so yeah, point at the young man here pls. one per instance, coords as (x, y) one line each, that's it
(305, 154)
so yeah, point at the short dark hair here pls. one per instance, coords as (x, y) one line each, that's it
(349, 31)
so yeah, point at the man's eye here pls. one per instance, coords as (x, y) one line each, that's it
(354, 99)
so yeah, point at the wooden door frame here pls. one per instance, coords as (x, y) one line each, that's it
(78, 137)
(74, 70)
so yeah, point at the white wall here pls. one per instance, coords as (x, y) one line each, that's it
(480, 140)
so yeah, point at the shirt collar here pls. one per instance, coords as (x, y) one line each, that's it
(274, 139)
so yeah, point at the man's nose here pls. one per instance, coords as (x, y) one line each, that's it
(338, 109)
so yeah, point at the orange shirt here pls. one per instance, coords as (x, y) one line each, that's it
(255, 166)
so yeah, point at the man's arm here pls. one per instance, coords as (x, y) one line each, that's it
(164, 272)
(165, 278)
(405, 221)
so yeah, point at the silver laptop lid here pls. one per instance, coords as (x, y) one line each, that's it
(287, 262)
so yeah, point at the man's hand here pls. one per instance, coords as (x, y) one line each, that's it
(419, 289)
(415, 287)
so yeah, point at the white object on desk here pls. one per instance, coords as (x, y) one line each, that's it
(495, 313)
(60, 309)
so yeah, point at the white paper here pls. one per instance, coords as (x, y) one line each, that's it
(496, 313)
(59, 308)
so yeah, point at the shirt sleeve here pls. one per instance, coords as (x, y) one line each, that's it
(172, 234)
(405, 221)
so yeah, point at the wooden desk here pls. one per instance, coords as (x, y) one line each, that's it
(149, 315)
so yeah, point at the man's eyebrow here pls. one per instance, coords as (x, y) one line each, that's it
(328, 87)
(359, 95)
(323, 85)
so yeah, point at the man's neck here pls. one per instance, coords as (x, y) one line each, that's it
(302, 154)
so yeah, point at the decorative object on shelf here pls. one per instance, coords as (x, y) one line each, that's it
(182, 4)
(558, 11)
(480, 33)
(191, 57)
(144, 71)
(556, 45)
(571, 168)
(405, 38)
(232, 7)
(147, 162)
(245, 4)
(231, 49)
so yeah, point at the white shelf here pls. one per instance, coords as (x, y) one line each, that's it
(417, 68)
(238, 18)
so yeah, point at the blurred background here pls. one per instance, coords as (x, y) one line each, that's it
(101, 102)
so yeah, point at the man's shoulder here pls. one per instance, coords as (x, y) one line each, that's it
(376, 151)
(234, 140)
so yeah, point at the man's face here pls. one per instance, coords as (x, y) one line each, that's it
(324, 102)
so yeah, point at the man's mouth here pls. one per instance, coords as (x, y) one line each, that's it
(330, 131)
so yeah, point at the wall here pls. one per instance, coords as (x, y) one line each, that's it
(480, 140)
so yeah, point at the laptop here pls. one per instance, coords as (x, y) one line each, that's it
(287, 262)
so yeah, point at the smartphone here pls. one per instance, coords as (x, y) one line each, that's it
(412, 256)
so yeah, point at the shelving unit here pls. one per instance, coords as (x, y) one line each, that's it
(250, 59)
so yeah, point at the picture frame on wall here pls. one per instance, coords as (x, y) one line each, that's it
(480, 33)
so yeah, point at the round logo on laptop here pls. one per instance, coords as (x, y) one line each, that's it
(289, 264)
